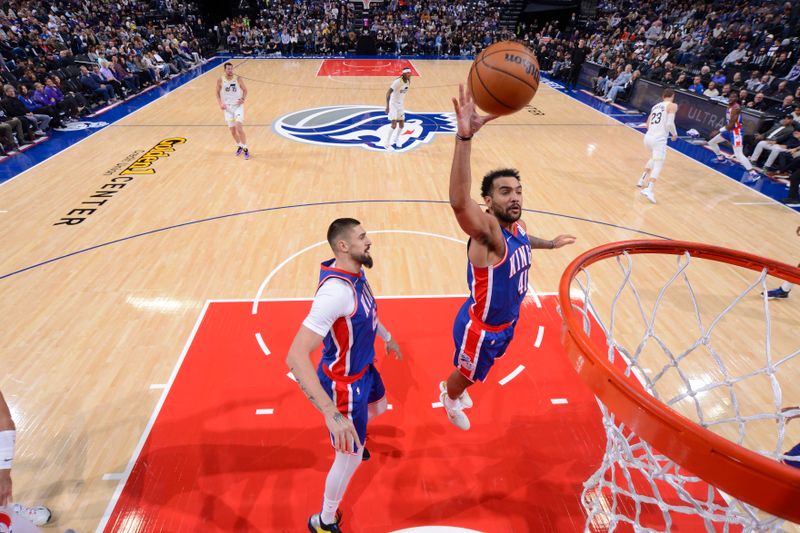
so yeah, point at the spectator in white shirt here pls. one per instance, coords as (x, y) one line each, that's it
(712, 91)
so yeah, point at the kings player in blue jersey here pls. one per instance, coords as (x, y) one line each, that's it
(499, 257)
(346, 387)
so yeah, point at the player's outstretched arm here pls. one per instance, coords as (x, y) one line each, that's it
(299, 362)
(557, 242)
(470, 216)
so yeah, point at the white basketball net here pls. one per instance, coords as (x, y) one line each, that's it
(634, 480)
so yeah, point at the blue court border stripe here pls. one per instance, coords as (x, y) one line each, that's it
(314, 204)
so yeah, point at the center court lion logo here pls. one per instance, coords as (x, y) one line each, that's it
(362, 126)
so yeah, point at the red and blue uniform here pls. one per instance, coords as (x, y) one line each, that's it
(733, 136)
(346, 371)
(485, 323)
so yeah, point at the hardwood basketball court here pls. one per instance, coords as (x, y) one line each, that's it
(98, 312)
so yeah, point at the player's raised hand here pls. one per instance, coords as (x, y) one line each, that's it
(469, 121)
(563, 240)
(393, 347)
(345, 437)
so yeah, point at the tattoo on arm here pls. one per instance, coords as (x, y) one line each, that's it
(308, 393)
(537, 243)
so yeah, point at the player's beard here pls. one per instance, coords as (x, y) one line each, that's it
(505, 214)
(365, 259)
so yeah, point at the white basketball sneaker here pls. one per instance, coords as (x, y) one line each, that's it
(465, 399)
(456, 414)
(648, 193)
(38, 515)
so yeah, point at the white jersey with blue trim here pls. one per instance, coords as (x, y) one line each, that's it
(657, 126)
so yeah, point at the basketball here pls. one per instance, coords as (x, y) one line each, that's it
(504, 78)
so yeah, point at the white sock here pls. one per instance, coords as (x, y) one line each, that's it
(244, 146)
(650, 185)
(742, 159)
(643, 177)
(714, 144)
(451, 403)
(389, 137)
(786, 286)
(342, 470)
(397, 135)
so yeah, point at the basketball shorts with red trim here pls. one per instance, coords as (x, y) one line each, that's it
(476, 348)
(733, 137)
(353, 399)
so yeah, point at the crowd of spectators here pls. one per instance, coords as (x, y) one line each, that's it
(709, 48)
(317, 27)
(61, 59)
(714, 49)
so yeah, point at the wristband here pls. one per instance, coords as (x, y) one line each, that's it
(7, 439)
(460, 138)
(552, 244)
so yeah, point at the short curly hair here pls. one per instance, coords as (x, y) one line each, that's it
(488, 179)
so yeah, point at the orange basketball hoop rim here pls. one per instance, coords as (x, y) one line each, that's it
(746, 475)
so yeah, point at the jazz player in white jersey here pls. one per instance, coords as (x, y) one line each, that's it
(395, 97)
(231, 93)
(660, 126)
